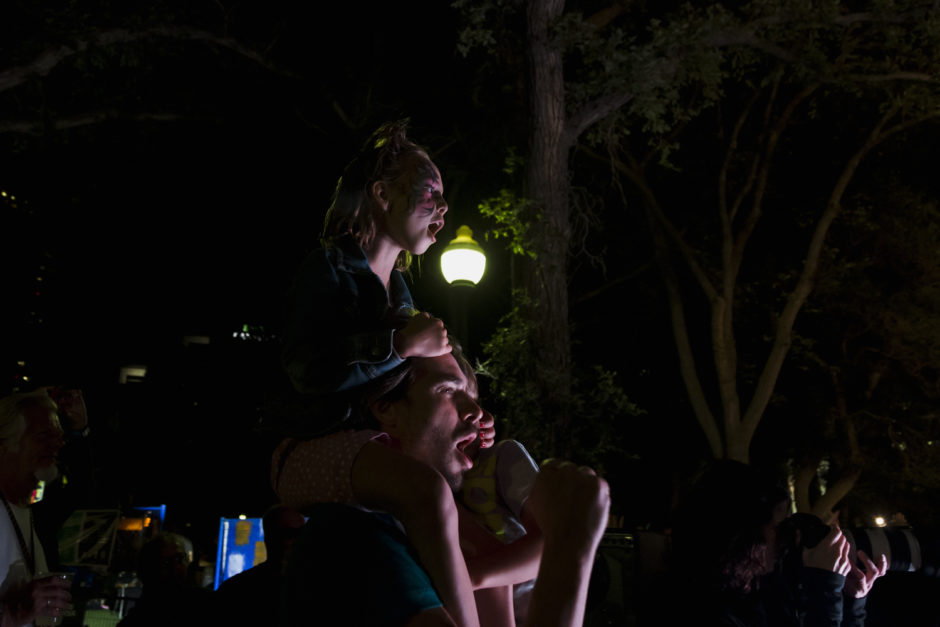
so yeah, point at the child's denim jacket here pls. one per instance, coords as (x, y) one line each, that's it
(340, 319)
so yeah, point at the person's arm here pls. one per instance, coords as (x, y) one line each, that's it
(571, 506)
(858, 583)
(822, 579)
(417, 495)
(496, 564)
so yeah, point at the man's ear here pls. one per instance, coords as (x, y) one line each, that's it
(379, 191)
(386, 415)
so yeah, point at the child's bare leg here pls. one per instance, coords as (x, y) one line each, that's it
(417, 495)
(495, 606)
(494, 601)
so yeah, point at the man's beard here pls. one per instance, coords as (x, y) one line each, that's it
(454, 481)
(47, 473)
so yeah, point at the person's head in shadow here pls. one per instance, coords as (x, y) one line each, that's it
(725, 532)
(163, 563)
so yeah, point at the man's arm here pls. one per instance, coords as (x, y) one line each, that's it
(823, 577)
(571, 505)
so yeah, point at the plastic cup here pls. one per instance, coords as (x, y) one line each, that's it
(66, 581)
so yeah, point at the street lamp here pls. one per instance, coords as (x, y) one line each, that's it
(463, 261)
(462, 264)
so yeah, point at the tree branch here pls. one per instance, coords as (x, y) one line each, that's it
(593, 112)
(32, 127)
(766, 160)
(687, 253)
(784, 331)
(804, 478)
(824, 507)
(603, 17)
(49, 59)
(728, 214)
(921, 77)
(680, 330)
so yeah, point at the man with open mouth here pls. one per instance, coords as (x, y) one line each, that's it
(356, 566)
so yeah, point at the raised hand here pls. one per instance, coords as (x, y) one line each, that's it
(858, 582)
(831, 554)
(570, 503)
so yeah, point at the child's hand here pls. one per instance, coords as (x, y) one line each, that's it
(487, 429)
(423, 336)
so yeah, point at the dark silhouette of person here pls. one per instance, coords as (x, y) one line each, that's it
(740, 561)
(252, 597)
(167, 598)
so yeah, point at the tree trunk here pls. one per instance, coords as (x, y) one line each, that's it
(548, 190)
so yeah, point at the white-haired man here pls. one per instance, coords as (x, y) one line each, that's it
(30, 440)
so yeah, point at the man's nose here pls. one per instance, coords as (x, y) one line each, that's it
(473, 413)
(441, 205)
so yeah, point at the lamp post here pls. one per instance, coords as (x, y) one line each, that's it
(463, 261)
(462, 264)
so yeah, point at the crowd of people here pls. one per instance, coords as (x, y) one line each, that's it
(395, 503)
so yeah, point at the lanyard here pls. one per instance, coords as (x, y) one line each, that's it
(28, 553)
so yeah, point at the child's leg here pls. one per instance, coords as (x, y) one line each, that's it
(491, 570)
(495, 606)
(417, 495)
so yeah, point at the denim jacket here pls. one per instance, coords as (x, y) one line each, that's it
(338, 333)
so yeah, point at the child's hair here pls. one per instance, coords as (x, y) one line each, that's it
(384, 157)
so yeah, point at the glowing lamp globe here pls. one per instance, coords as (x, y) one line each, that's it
(463, 261)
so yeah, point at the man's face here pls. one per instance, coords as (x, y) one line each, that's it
(438, 419)
(40, 442)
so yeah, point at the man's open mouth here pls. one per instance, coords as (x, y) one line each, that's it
(463, 443)
(434, 227)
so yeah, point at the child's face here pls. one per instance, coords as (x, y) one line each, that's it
(416, 207)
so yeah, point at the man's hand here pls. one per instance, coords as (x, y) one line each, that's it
(570, 504)
(831, 554)
(858, 583)
(46, 596)
(422, 336)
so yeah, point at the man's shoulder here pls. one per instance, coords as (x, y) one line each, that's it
(373, 574)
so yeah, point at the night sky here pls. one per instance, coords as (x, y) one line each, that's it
(185, 207)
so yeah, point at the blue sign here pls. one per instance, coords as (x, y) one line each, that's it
(241, 546)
